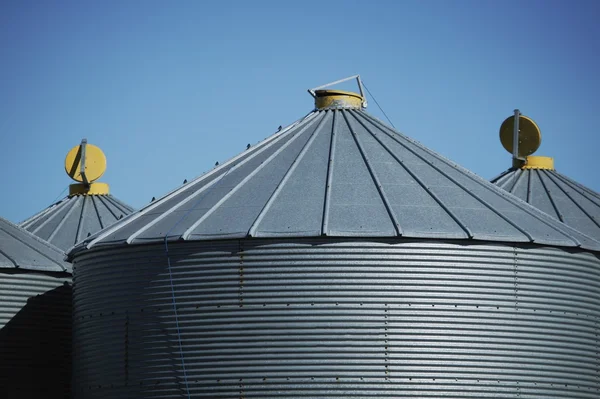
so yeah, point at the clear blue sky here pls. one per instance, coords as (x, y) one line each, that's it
(166, 89)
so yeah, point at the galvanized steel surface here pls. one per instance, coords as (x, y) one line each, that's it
(20, 249)
(74, 218)
(35, 334)
(337, 318)
(16, 288)
(557, 195)
(35, 316)
(339, 173)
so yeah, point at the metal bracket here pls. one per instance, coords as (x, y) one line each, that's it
(358, 81)
(516, 136)
(82, 163)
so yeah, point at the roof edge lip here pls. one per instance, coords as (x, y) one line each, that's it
(334, 239)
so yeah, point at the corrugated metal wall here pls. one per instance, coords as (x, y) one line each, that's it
(262, 319)
(35, 334)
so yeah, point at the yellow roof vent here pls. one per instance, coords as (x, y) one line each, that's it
(332, 99)
(86, 163)
(537, 162)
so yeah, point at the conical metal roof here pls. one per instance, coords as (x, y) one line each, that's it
(89, 207)
(339, 172)
(20, 249)
(557, 195)
(74, 218)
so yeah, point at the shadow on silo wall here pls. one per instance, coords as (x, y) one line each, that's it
(35, 348)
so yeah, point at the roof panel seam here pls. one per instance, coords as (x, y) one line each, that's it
(124, 208)
(447, 176)
(328, 181)
(54, 214)
(10, 258)
(175, 192)
(528, 186)
(103, 202)
(503, 178)
(509, 197)
(61, 223)
(463, 226)
(80, 221)
(32, 219)
(585, 192)
(585, 189)
(288, 173)
(35, 249)
(374, 176)
(554, 206)
(456, 219)
(258, 150)
(572, 200)
(514, 179)
(294, 137)
(94, 200)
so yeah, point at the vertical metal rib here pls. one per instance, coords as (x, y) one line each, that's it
(95, 199)
(288, 173)
(503, 178)
(124, 208)
(103, 199)
(81, 218)
(375, 178)
(585, 191)
(67, 202)
(554, 206)
(572, 200)
(327, 201)
(72, 201)
(528, 186)
(514, 179)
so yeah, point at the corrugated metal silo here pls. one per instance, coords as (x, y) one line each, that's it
(337, 258)
(87, 209)
(35, 317)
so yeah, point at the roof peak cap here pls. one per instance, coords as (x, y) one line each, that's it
(335, 99)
